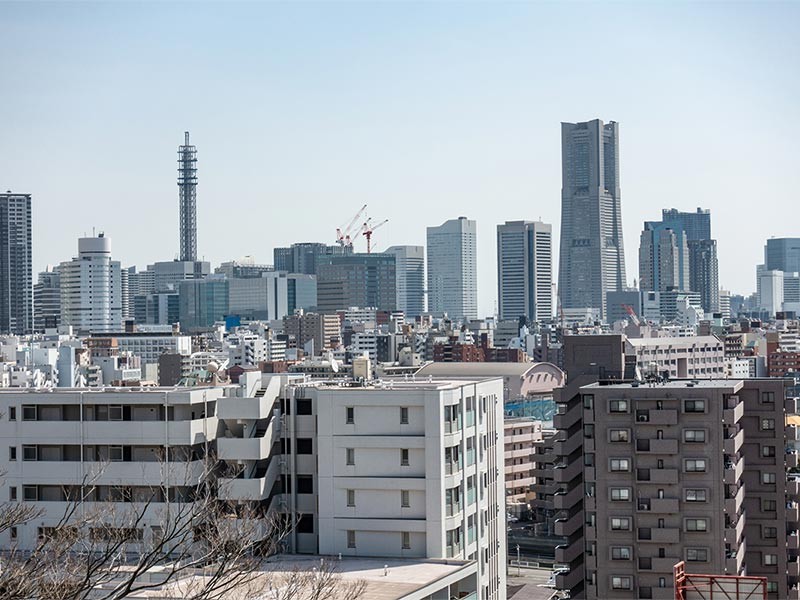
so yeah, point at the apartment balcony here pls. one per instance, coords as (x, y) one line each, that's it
(246, 409)
(563, 473)
(657, 505)
(734, 505)
(792, 512)
(793, 568)
(567, 581)
(793, 488)
(664, 565)
(792, 433)
(733, 414)
(791, 405)
(657, 446)
(792, 459)
(734, 444)
(665, 535)
(564, 500)
(662, 417)
(735, 560)
(566, 525)
(240, 449)
(733, 533)
(568, 446)
(566, 553)
(793, 541)
(793, 593)
(569, 417)
(521, 453)
(542, 471)
(244, 489)
(733, 472)
(187, 432)
(666, 476)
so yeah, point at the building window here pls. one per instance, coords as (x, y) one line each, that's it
(12, 413)
(29, 453)
(351, 497)
(620, 494)
(403, 415)
(620, 464)
(772, 587)
(351, 538)
(769, 533)
(694, 406)
(13, 532)
(115, 412)
(351, 415)
(305, 446)
(697, 555)
(115, 453)
(696, 525)
(695, 495)
(768, 478)
(305, 484)
(351, 456)
(770, 559)
(767, 424)
(588, 401)
(12, 453)
(619, 435)
(769, 505)
(620, 523)
(304, 406)
(768, 397)
(29, 412)
(694, 465)
(768, 451)
(30, 493)
(305, 524)
(620, 553)
(694, 435)
(405, 498)
(12, 493)
(404, 461)
(620, 583)
(406, 540)
(618, 406)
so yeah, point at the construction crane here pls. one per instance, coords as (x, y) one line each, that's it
(631, 313)
(343, 233)
(368, 228)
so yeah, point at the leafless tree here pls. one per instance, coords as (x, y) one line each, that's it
(202, 548)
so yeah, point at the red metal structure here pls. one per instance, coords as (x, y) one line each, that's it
(696, 586)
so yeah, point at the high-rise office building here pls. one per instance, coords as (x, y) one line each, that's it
(592, 257)
(364, 280)
(202, 302)
(703, 263)
(525, 270)
(47, 300)
(187, 188)
(410, 270)
(304, 256)
(91, 288)
(663, 259)
(16, 270)
(452, 269)
(782, 254)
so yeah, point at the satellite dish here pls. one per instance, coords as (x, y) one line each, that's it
(212, 367)
(334, 366)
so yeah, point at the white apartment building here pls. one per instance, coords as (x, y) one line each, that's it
(699, 357)
(91, 288)
(149, 346)
(397, 470)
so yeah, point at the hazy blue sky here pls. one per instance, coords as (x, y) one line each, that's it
(302, 112)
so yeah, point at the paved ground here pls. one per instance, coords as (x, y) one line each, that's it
(529, 584)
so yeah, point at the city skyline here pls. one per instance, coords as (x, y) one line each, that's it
(322, 124)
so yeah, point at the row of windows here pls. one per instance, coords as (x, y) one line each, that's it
(692, 554)
(350, 457)
(405, 498)
(622, 405)
(689, 524)
(350, 415)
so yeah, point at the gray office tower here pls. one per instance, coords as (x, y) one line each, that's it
(187, 187)
(703, 262)
(452, 269)
(782, 254)
(16, 274)
(525, 270)
(410, 270)
(592, 258)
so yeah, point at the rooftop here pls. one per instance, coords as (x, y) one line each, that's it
(672, 384)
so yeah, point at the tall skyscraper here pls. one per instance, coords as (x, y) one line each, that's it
(452, 269)
(703, 262)
(525, 270)
(16, 271)
(592, 257)
(782, 254)
(410, 269)
(91, 288)
(47, 300)
(663, 259)
(187, 188)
